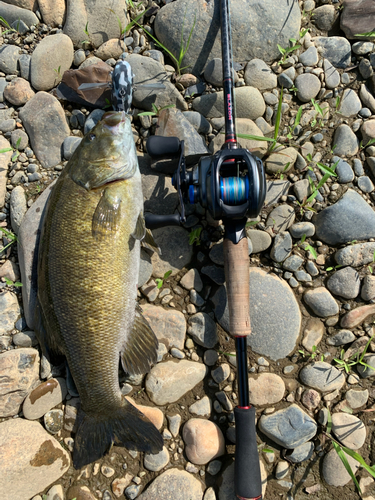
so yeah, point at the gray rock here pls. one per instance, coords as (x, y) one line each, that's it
(132, 491)
(102, 24)
(25, 339)
(173, 483)
(302, 276)
(281, 218)
(322, 376)
(308, 86)
(7, 125)
(3, 84)
(214, 72)
(28, 242)
(213, 468)
(19, 140)
(259, 75)
(367, 98)
(364, 371)
(345, 283)
(262, 24)
(290, 427)
(70, 144)
(51, 58)
(203, 330)
(259, 239)
(167, 382)
(302, 452)
(336, 49)
(365, 69)
(341, 338)
(293, 263)
(10, 312)
(349, 430)
(37, 115)
(199, 122)
(147, 70)
(192, 280)
(24, 62)
(281, 161)
(344, 171)
(202, 408)
(302, 228)
(156, 462)
(364, 113)
(221, 373)
(302, 189)
(17, 207)
(309, 57)
(325, 16)
(167, 324)
(312, 269)
(350, 104)
(346, 141)
(14, 13)
(274, 312)
(9, 55)
(357, 398)
(368, 288)
(331, 75)
(358, 167)
(171, 122)
(249, 104)
(285, 81)
(355, 255)
(321, 302)
(215, 273)
(275, 190)
(362, 48)
(94, 117)
(351, 218)
(334, 471)
(176, 252)
(282, 247)
(44, 397)
(365, 184)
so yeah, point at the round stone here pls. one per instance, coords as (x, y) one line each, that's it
(261, 240)
(322, 376)
(334, 471)
(282, 246)
(309, 57)
(18, 92)
(310, 399)
(53, 421)
(365, 184)
(221, 373)
(281, 218)
(156, 462)
(350, 103)
(346, 141)
(266, 389)
(321, 302)
(341, 338)
(349, 430)
(368, 288)
(345, 283)
(344, 171)
(203, 330)
(202, 407)
(357, 398)
(173, 483)
(302, 452)
(204, 441)
(308, 86)
(44, 397)
(302, 228)
(259, 75)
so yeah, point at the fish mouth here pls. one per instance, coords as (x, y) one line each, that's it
(113, 120)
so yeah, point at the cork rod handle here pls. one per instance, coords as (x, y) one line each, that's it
(236, 266)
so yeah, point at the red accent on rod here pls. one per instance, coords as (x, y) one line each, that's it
(244, 407)
(243, 498)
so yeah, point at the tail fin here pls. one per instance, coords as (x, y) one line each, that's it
(125, 426)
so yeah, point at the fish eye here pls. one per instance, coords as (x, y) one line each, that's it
(92, 137)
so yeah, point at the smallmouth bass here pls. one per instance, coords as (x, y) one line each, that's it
(88, 267)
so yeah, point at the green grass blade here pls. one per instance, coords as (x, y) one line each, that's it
(159, 44)
(312, 250)
(326, 169)
(132, 22)
(191, 32)
(329, 423)
(255, 137)
(344, 460)
(281, 49)
(7, 25)
(365, 349)
(298, 116)
(369, 34)
(5, 150)
(278, 115)
(359, 459)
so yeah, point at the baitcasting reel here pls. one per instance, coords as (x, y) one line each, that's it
(231, 184)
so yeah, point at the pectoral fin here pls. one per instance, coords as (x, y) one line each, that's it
(106, 219)
(140, 349)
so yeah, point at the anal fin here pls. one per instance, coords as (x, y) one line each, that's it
(149, 242)
(140, 350)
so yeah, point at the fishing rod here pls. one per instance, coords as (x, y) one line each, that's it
(231, 184)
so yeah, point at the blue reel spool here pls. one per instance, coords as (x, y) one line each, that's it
(234, 190)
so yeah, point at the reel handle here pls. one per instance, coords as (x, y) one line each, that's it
(159, 146)
(154, 221)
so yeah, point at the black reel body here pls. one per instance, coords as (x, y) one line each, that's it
(231, 184)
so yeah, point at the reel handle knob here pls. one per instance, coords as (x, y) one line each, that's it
(158, 146)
